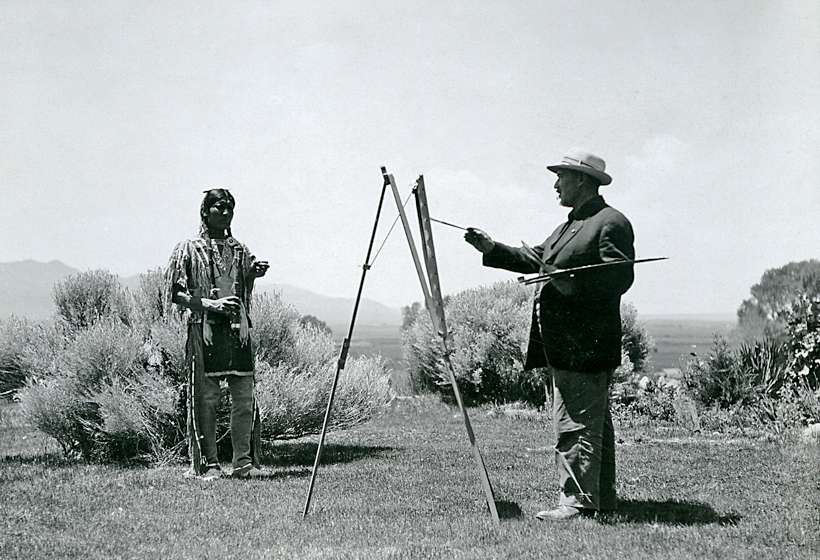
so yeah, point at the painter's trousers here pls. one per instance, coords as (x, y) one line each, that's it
(585, 439)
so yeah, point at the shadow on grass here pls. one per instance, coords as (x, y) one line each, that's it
(303, 454)
(508, 510)
(55, 459)
(300, 472)
(669, 512)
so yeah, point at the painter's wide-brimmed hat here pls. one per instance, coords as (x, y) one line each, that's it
(585, 162)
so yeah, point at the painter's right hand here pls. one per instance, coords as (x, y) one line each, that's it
(479, 239)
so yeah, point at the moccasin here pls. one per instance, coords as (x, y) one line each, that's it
(561, 513)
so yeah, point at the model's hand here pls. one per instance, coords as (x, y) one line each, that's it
(479, 239)
(259, 269)
(223, 305)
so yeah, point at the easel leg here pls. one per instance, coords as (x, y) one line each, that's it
(435, 309)
(342, 357)
(479, 460)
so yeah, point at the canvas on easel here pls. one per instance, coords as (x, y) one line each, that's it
(435, 307)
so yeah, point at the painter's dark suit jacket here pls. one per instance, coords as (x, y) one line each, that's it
(580, 331)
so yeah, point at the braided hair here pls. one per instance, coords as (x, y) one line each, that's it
(212, 196)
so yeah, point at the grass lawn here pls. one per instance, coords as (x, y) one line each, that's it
(404, 486)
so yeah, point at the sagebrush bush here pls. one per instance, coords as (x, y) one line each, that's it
(169, 336)
(57, 407)
(111, 389)
(311, 347)
(93, 390)
(489, 330)
(86, 297)
(148, 297)
(292, 402)
(105, 351)
(120, 419)
(293, 392)
(273, 328)
(42, 356)
(137, 418)
(15, 336)
(29, 349)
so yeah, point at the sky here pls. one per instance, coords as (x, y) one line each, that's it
(114, 116)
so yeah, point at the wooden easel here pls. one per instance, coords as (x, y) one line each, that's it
(435, 307)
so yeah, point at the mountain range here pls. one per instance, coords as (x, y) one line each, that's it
(27, 292)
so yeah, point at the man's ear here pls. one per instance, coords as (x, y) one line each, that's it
(588, 181)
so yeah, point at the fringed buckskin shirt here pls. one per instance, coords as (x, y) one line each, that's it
(189, 270)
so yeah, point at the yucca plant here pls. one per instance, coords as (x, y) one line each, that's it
(764, 365)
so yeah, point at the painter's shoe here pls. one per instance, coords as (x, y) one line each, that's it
(561, 513)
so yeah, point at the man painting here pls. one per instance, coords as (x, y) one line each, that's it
(211, 278)
(576, 327)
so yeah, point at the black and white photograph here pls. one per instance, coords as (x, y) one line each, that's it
(410, 280)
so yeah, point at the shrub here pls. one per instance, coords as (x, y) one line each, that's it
(101, 386)
(29, 350)
(113, 391)
(626, 370)
(654, 402)
(311, 348)
(168, 336)
(636, 342)
(489, 330)
(148, 300)
(86, 297)
(43, 353)
(315, 322)
(293, 393)
(755, 385)
(804, 341)
(741, 376)
(136, 419)
(795, 406)
(122, 419)
(56, 407)
(764, 364)
(710, 379)
(15, 336)
(273, 328)
(104, 352)
(292, 402)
